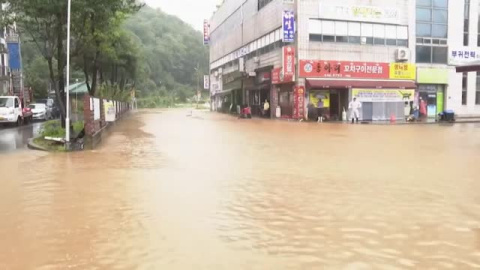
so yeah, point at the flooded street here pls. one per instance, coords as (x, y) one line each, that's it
(167, 191)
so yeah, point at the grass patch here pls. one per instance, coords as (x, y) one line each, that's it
(78, 127)
(49, 145)
(52, 128)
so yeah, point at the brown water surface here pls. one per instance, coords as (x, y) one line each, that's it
(167, 191)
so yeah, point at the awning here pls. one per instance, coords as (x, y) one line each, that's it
(319, 83)
(469, 68)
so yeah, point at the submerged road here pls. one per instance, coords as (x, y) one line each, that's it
(167, 191)
(16, 138)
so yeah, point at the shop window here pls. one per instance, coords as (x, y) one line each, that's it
(466, 22)
(478, 34)
(477, 92)
(357, 33)
(317, 38)
(341, 39)
(432, 29)
(354, 40)
(464, 88)
(263, 3)
(327, 38)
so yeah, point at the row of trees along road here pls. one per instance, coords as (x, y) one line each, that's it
(117, 46)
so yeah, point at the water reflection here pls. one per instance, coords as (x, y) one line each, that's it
(14, 138)
(167, 191)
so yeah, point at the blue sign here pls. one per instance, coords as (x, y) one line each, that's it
(14, 56)
(288, 23)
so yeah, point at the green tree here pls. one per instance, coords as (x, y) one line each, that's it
(45, 25)
(99, 39)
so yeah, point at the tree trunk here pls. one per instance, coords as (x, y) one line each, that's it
(95, 72)
(53, 81)
(87, 77)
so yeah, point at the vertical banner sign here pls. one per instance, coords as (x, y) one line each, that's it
(14, 56)
(206, 32)
(299, 102)
(288, 62)
(206, 82)
(288, 26)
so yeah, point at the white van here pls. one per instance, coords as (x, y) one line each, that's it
(11, 110)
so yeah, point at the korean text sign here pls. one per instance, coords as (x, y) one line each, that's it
(299, 102)
(403, 71)
(288, 26)
(206, 32)
(344, 69)
(288, 56)
(463, 55)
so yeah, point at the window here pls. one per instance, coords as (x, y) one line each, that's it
(477, 92)
(263, 3)
(357, 33)
(432, 31)
(464, 88)
(466, 22)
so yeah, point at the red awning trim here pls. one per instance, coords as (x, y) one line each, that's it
(319, 83)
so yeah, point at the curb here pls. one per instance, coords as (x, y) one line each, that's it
(31, 145)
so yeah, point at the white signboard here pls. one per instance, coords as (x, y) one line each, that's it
(463, 55)
(110, 113)
(206, 82)
(96, 109)
(359, 13)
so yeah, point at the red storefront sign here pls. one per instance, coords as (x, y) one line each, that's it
(289, 61)
(343, 69)
(299, 102)
(279, 77)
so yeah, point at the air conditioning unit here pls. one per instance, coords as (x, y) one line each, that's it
(402, 55)
(256, 59)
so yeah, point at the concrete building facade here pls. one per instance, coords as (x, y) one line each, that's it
(395, 56)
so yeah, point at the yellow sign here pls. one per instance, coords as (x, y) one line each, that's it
(316, 96)
(403, 71)
(383, 95)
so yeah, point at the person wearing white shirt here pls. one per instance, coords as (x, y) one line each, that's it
(355, 107)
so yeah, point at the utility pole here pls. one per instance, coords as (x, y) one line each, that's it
(67, 88)
(198, 83)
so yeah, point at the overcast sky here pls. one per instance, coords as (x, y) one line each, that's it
(191, 11)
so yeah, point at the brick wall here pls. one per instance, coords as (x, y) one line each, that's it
(93, 126)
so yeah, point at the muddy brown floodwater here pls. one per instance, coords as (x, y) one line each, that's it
(167, 191)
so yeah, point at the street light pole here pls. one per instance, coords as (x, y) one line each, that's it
(67, 118)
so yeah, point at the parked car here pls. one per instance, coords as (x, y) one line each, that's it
(11, 111)
(50, 103)
(40, 111)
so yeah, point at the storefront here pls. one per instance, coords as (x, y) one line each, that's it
(430, 96)
(231, 95)
(383, 104)
(327, 103)
(384, 89)
(284, 95)
(259, 92)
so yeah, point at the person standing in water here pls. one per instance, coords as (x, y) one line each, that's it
(266, 108)
(354, 107)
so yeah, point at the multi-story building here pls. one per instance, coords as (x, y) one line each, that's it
(391, 55)
(4, 65)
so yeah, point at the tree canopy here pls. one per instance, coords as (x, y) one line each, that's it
(116, 47)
